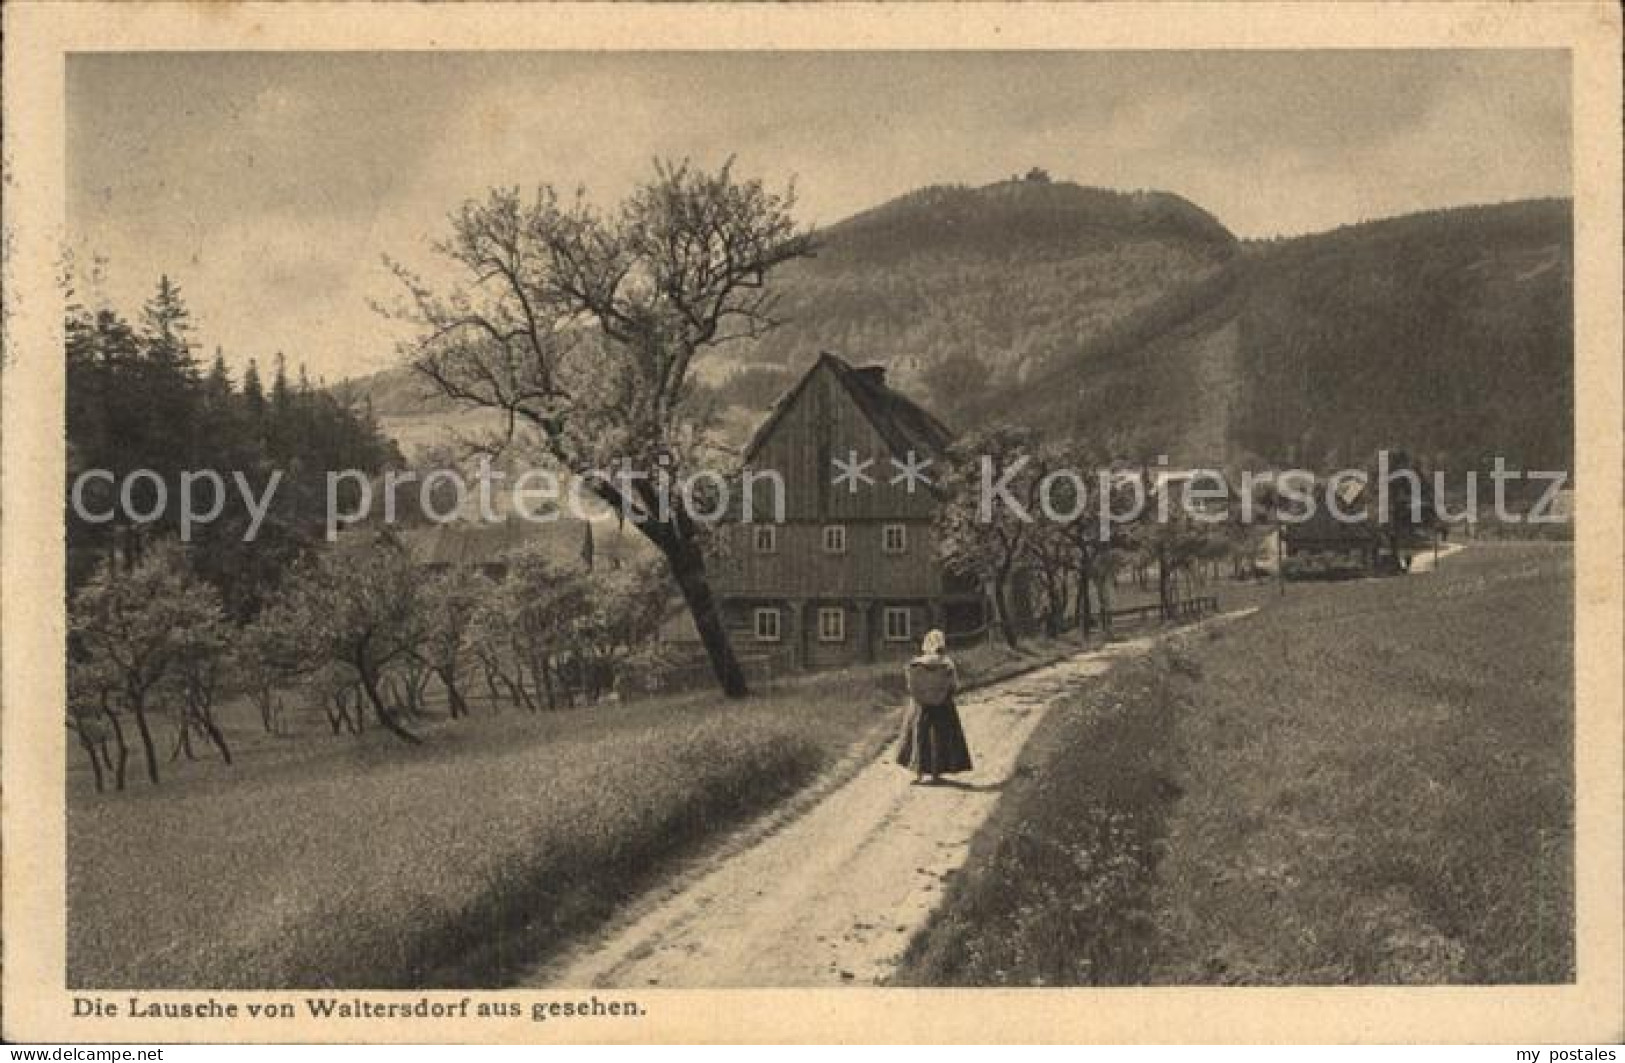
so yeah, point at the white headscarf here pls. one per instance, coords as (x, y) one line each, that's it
(935, 642)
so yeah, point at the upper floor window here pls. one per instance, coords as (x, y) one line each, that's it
(834, 538)
(894, 538)
(766, 538)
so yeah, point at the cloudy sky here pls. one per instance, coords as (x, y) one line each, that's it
(270, 185)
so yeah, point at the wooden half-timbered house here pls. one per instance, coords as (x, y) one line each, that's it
(850, 573)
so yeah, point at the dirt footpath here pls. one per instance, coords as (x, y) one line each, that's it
(1425, 561)
(833, 896)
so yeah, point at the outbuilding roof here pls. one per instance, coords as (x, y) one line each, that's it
(486, 543)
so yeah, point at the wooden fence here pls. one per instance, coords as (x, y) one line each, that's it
(1186, 609)
(1132, 616)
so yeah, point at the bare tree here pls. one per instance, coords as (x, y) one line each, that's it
(1175, 541)
(498, 645)
(624, 609)
(92, 692)
(257, 668)
(1082, 528)
(453, 598)
(336, 689)
(988, 536)
(359, 606)
(581, 328)
(545, 603)
(145, 626)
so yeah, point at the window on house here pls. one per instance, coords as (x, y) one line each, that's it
(767, 625)
(898, 621)
(832, 625)
(767, 538)
(894, 538)
(834, 538)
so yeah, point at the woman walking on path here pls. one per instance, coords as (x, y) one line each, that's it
(933, 742)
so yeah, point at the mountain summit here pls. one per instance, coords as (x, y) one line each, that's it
(1136, 319)
(960, 290)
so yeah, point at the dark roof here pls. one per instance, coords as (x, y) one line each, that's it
(1322, 526)
(902, 423)
(473, 542)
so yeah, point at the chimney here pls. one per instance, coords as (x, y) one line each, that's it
(873, 374)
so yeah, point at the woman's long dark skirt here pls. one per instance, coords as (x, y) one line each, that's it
(933, 741)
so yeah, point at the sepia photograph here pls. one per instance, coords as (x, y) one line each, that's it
(547, 526)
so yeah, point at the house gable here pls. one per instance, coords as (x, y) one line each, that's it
(833, 413)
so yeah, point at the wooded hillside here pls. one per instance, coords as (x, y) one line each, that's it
(1137, 320)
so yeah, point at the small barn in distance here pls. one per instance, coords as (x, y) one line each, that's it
(1335, 529)
(850, 574)
(1323, 534)
(568, 542)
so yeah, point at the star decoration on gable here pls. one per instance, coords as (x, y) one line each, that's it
(852, 471)
(911, 472)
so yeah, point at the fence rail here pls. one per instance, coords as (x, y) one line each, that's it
(1186, 609)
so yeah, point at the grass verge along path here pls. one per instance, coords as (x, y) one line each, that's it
(360, 862)
(1365, 783)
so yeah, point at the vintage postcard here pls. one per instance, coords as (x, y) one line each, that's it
(901, 523)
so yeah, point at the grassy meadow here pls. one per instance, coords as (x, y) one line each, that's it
(339, 861)
(1364, 783)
